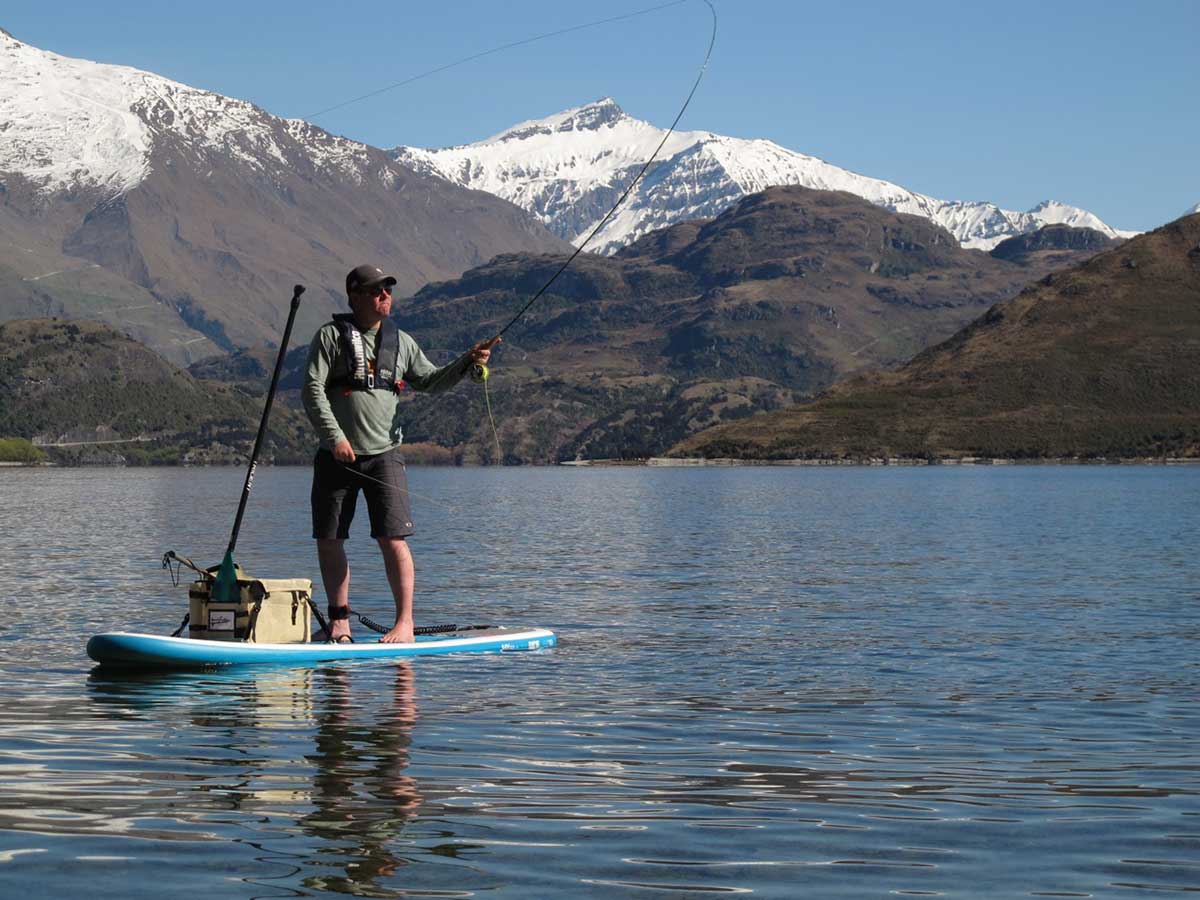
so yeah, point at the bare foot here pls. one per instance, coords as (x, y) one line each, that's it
(400, 634)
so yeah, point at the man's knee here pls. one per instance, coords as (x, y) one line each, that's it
(395, 549)
(330, 547)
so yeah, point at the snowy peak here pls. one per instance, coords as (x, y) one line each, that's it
(592, 117)
(69, 122)
(595, 115)
(569, 168)
(1052, 212)
(74, 124)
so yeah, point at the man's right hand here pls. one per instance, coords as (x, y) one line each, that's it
(343, 452)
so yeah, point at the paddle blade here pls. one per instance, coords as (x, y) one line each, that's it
(225, 588)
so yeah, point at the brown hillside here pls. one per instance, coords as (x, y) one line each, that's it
(1100, 360)
(773, 301)
(705, 322)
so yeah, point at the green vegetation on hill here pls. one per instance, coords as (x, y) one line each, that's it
(19, 450)
(85, 393)
(1102, 360)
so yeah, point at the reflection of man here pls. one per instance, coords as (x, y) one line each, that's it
(360, 794)
(356, 366)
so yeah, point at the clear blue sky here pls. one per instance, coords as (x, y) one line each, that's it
(1086, 101)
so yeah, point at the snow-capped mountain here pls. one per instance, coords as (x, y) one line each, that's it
(1194, 209)
(181, 216)
(569, 168)
(74, 124)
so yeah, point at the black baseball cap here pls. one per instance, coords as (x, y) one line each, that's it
(367, 277)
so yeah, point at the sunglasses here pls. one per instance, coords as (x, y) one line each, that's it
(376, 291)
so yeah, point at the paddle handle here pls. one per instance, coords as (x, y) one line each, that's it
(262, 426)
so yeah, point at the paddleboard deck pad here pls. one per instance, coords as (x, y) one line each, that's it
(151, 651)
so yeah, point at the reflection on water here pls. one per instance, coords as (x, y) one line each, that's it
(826, 684)
(360, 794)
(295, 746)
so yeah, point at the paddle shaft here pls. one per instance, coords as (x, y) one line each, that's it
(262, 426)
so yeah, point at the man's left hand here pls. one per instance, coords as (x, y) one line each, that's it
(482, 351)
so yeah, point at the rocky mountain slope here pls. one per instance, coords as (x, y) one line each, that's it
(772, 301)
(569, 168)
(701, 323)
(1100, 360)
(183, 217)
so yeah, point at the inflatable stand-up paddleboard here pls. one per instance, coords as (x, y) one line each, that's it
(151, 651)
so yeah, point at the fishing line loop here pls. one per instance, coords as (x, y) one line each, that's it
(493, 50)
(487, 399)
(479, 375)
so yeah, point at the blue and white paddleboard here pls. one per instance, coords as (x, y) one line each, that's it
(152, 651)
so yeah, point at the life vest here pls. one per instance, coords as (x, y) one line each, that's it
(387, 353)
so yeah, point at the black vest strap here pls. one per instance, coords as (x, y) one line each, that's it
(387, 354)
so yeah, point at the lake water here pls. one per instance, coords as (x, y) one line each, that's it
(849, 682)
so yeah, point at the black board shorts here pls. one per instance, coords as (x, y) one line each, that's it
(381, 479)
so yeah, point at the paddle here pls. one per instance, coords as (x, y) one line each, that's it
(225, 589)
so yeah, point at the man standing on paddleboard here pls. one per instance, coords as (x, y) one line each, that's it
(357, 365)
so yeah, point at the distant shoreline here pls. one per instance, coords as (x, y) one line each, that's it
(869, 462)
(672, 463)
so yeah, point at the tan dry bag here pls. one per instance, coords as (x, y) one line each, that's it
(267, 611)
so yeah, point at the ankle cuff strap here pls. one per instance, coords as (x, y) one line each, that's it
(337, 613)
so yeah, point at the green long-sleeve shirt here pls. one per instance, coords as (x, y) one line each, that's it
(369, 420)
